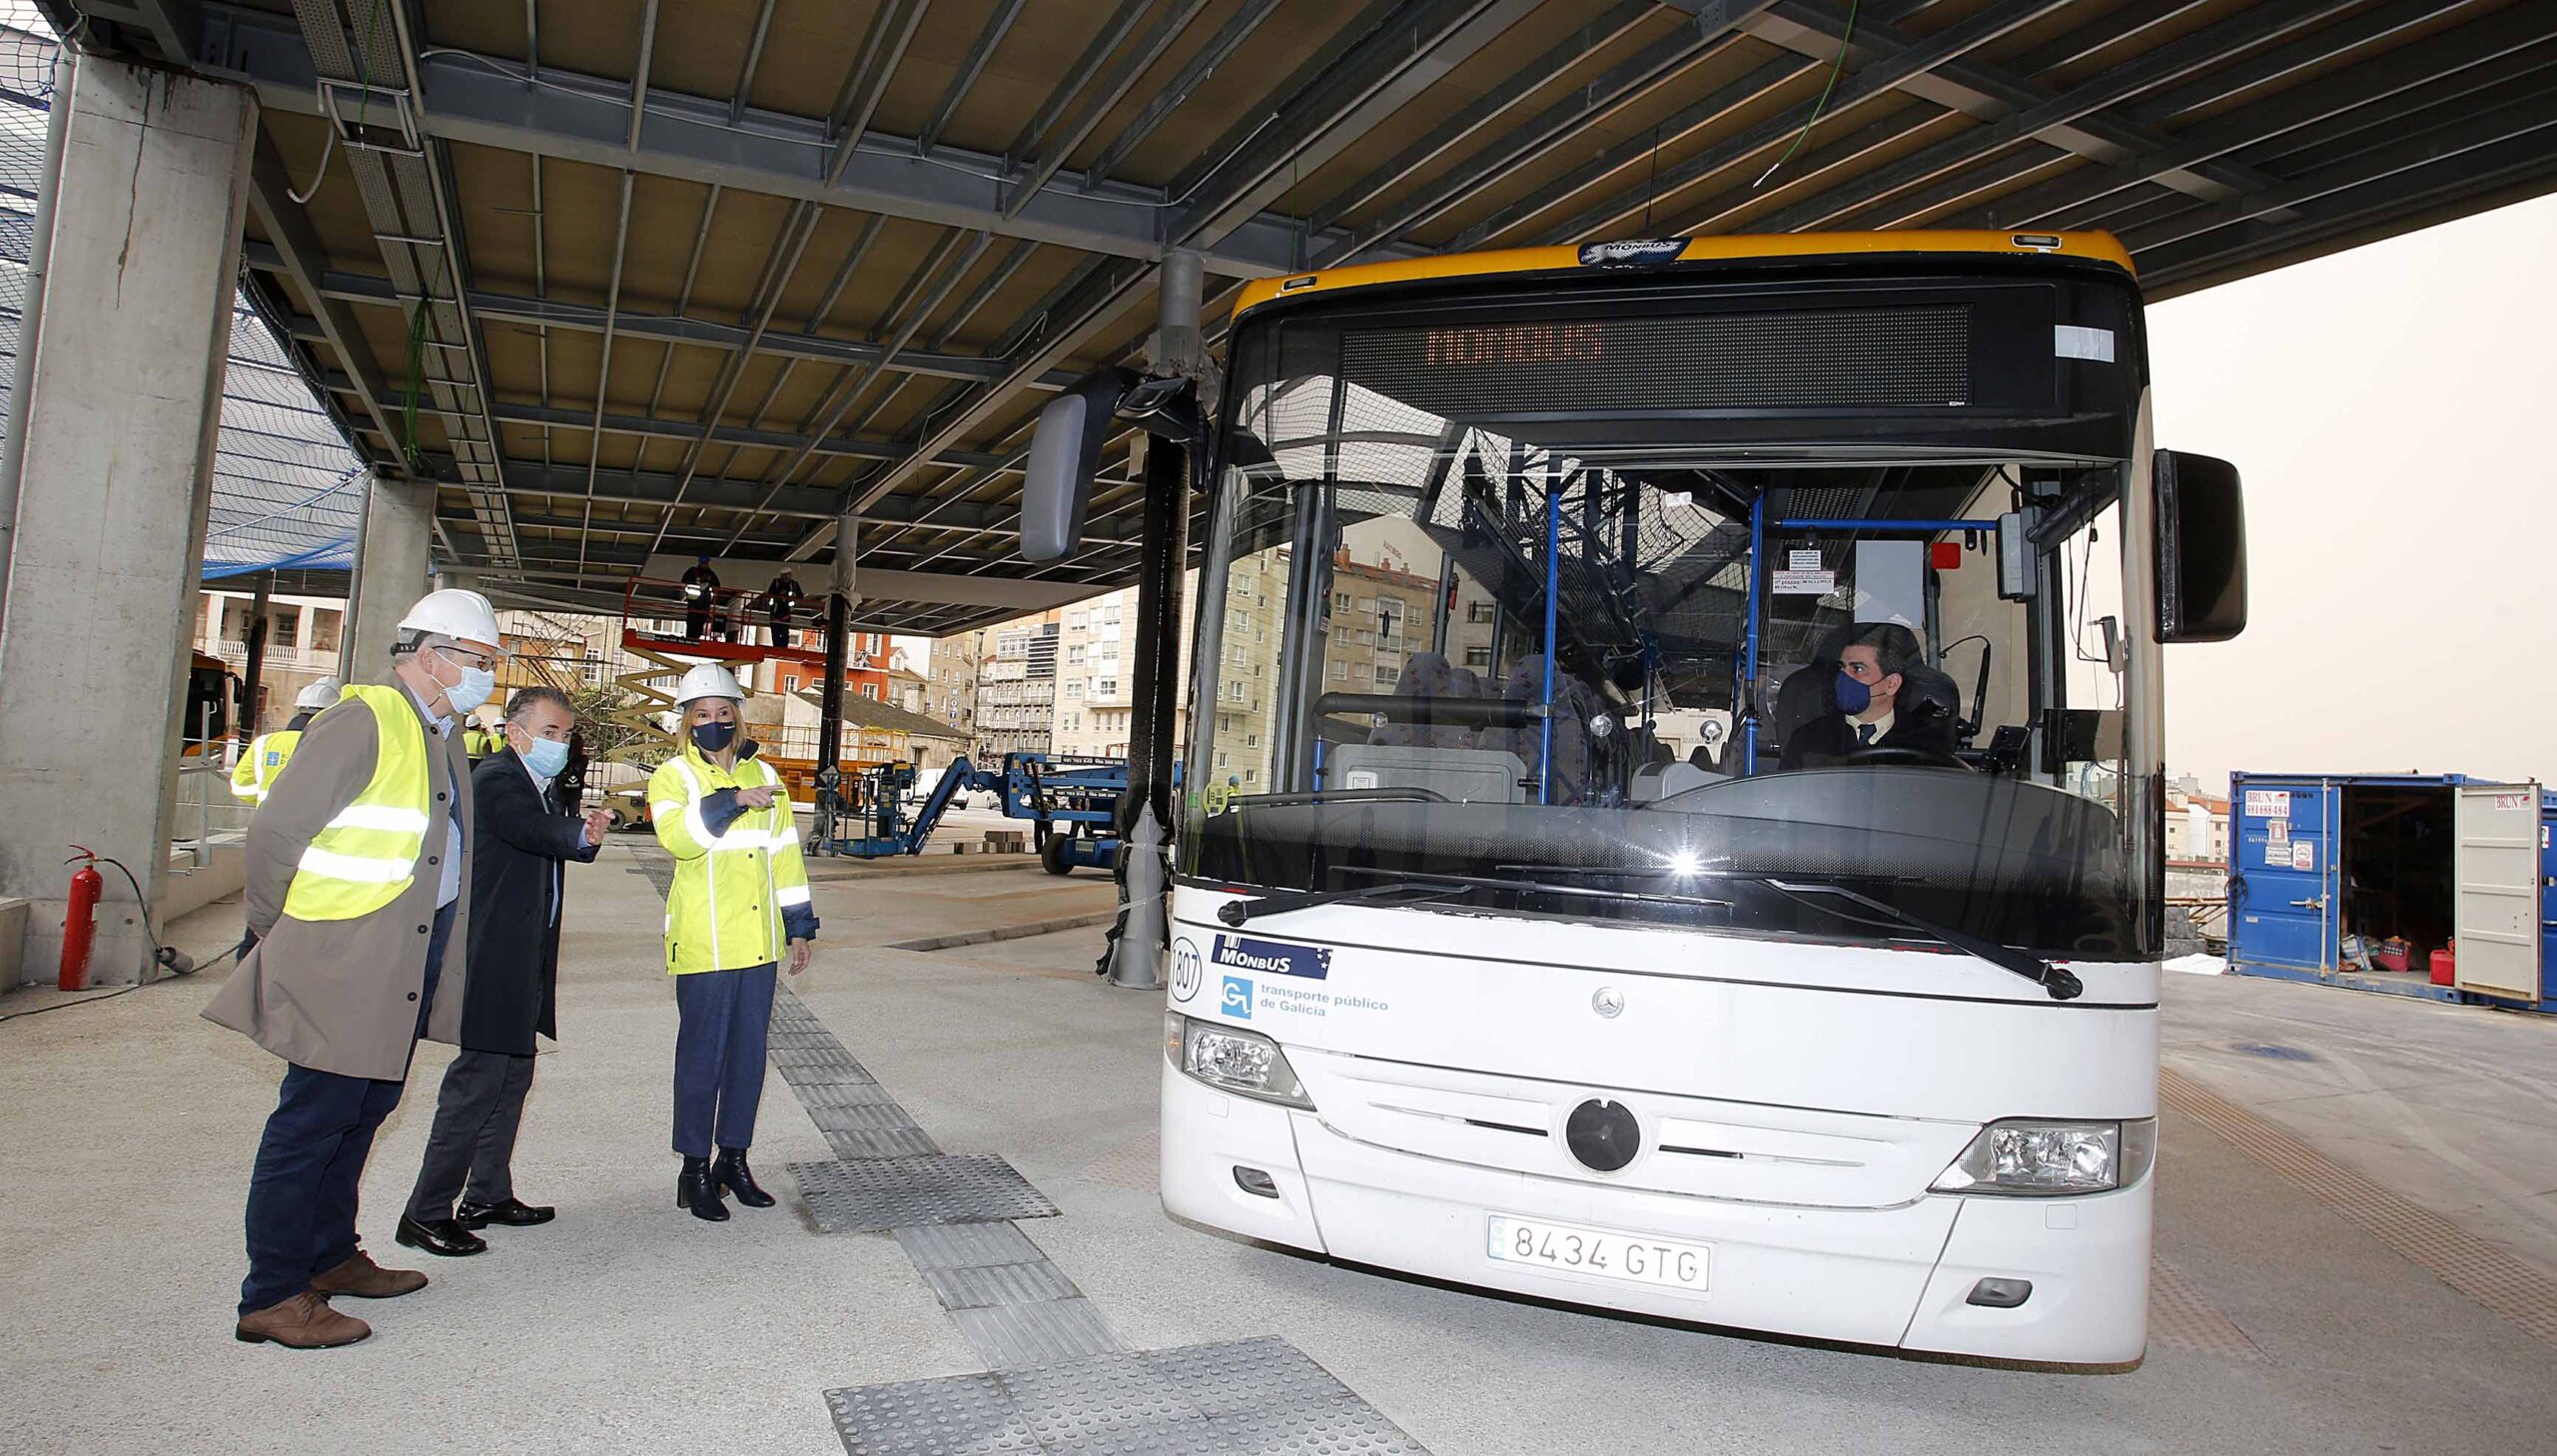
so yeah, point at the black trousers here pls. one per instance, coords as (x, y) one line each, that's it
(472, 1143)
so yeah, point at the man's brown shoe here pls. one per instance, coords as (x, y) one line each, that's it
(360, 1278)
(304, 1322)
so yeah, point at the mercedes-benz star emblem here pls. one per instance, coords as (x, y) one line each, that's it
(1608, 1001)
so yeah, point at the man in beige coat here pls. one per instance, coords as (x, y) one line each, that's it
(356, 884)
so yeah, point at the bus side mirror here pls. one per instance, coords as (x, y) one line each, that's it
(1065, 452)
(2202, 548)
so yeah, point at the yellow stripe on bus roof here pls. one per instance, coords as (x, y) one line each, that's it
(2101, 247)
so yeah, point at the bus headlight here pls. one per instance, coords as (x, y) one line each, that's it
(2032, 1156)
(1246, 1064)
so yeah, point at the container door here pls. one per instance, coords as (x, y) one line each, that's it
(2497, 918)
(2281, 909)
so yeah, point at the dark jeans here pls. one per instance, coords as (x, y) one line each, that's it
(722, 1019)
(478, 1112)
(302, 1193)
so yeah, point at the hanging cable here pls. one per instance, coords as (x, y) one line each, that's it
(1821, 107)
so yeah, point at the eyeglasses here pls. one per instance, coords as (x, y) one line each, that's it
(479, 660)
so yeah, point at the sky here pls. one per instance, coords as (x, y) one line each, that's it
(2390, 410)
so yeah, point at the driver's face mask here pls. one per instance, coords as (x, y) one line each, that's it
(1853, 696)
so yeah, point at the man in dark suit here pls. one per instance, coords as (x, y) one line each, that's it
(1875, 701)
(525, 832)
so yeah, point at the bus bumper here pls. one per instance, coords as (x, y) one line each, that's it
(1898, 1278)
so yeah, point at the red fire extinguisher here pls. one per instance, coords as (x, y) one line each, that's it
(80, 919)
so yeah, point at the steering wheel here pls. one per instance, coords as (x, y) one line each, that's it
(1899, 755)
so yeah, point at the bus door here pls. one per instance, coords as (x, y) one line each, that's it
(2496, 919)
(2281, 878)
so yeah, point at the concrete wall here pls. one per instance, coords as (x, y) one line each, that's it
(121, 406)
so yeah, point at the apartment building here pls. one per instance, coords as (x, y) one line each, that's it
(1017, 686)
(305, 638)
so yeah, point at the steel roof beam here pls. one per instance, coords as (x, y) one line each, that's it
(297, 256)
(1345, 93)
(1219, 48)
(2024, 111)
(1882, 74)
(576, 118)
(1477, 116)
(2465, 58)
(661, 328)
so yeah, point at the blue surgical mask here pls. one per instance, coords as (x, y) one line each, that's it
(473, 690)
(546, 757)
(1853, 696)
(712, 737)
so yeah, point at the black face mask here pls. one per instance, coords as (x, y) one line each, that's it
(712, 737)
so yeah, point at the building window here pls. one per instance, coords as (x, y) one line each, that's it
(1387, 677)
(870, 690)
(1478, 612)
(1252, 776)
(1479, 657)
(1340, 672)
(1074, 654)
(1340, 601)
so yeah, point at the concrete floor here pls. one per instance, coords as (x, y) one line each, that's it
(628, 1326)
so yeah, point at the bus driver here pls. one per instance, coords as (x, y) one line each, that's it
(1879, 702)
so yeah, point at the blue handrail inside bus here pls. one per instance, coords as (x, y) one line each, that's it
(1749, 644)
(1892, 527)
(1553, 591)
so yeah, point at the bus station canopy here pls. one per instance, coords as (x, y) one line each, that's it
(636, 278)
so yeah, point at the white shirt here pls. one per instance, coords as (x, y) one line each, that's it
(1881, 728)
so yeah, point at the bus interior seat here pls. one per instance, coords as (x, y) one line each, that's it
(1574, 705)
(1657, 781)
(1476, 775)
(1426, 676)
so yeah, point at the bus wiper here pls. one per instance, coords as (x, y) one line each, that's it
(1427, 888)
(2061, 985)
(1236, 912)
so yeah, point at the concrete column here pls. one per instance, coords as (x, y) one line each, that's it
(391, 572)
(121, 403)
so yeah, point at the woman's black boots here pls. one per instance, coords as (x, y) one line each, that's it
(698, 1189)
(731, 1173)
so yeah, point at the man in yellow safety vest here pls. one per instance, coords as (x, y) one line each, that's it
(358, 880)
(254, 776)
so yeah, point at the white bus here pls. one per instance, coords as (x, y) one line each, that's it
(1831, 1012)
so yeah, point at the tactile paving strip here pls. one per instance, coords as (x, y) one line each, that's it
(2178, 1315)
(846, 1094)
(965, 1415)
(896, 1142)
(1035, 1334)
(2465, 1262)
(894, 1193)
(967, 1245)
(985, 1286)
(887, 1119)
(1243, 1398)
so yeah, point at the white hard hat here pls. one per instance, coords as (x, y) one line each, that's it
(454, 612)
(321, 694)
(709, 680)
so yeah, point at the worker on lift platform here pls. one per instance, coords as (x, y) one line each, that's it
(700, 598)
(781, 601)
(254, 776)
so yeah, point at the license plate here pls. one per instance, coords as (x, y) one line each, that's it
(1601, 1252)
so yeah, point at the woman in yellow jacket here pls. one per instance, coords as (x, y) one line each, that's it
(738, 906)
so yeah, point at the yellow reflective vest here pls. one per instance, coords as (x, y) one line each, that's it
(725, 910)
(364, 857)
(254, 776)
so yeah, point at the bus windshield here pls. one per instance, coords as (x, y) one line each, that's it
(1535, 641)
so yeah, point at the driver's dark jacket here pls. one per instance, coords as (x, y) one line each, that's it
(1927, 729)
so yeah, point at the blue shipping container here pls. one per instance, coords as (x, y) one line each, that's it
(2318, 863)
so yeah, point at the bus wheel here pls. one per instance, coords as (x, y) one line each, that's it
(1052, 856)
